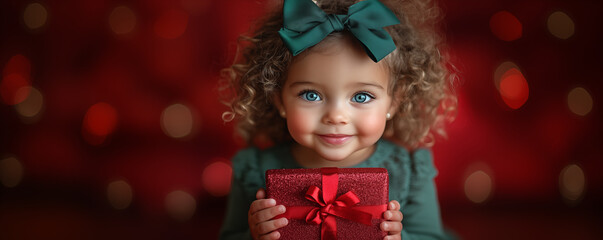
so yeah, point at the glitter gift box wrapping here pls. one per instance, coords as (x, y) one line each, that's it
(324, 203)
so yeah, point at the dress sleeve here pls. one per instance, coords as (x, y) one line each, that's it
(422, 212)
(245, 182)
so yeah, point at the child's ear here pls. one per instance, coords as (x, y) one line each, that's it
(278, 101)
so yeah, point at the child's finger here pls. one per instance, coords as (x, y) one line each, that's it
(391, 227)
(393, 215)
(269, 226)
(268, 213)
(258, 205)
(393, 205)
(394, 227)
(271, 236)
(260, 194)
(393, 237)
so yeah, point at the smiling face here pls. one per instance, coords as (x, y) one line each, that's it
(335, 103)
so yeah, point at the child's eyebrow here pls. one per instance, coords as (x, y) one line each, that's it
(371, 84)
(302, 83)
(358, 83)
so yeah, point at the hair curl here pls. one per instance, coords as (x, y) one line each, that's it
(420, 76)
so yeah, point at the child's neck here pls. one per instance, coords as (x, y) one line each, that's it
(308, 158)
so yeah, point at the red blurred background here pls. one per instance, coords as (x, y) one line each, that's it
(111, 126)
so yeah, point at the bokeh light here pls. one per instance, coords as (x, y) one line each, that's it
(216, 178)
(505, 26)
(100, 120)
(572, 182)
(33, 103)
(119, 194)
(12, 84)
(180, 205)
(579, 101)
(177, 121)
(15, 83)
(514, 88)
(560, 25)
(35, 16)
(171, 24)
(501, 70)
(17, 64)
(11, 172)
(478, 186)
(122, 20)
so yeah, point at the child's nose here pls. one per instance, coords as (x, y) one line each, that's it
(336, 114)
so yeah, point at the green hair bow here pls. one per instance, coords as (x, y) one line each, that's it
(305, 25)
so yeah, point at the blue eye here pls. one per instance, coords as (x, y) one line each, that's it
(310, 96)
(362, 97)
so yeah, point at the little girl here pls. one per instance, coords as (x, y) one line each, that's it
(339, 83)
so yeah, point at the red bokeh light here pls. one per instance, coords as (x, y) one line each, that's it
(514, 88)
(505, 26)
(12, 84)
(216, 178)
(18, 64)
(100, 120)
(15, 76)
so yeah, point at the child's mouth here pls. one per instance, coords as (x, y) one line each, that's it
(335, 139)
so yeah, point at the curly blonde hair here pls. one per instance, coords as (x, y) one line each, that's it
(419, 73)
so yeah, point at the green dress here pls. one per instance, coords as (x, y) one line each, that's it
(410, 183)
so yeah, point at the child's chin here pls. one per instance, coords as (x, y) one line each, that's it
(334, 157)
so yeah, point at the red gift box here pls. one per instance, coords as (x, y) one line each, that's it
(330, 203)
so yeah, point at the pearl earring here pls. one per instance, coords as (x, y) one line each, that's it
(388, 116)
(283, 114)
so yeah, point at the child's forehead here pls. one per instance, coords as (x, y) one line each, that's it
(343, 67)
(339, 61)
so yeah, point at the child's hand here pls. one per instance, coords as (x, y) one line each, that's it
(259, 217)
(393, 221)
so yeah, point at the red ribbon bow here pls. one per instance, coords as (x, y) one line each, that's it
(339, 208)
(330, 207)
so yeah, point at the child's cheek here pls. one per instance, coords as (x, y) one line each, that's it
(301, 123)
(371, 126)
